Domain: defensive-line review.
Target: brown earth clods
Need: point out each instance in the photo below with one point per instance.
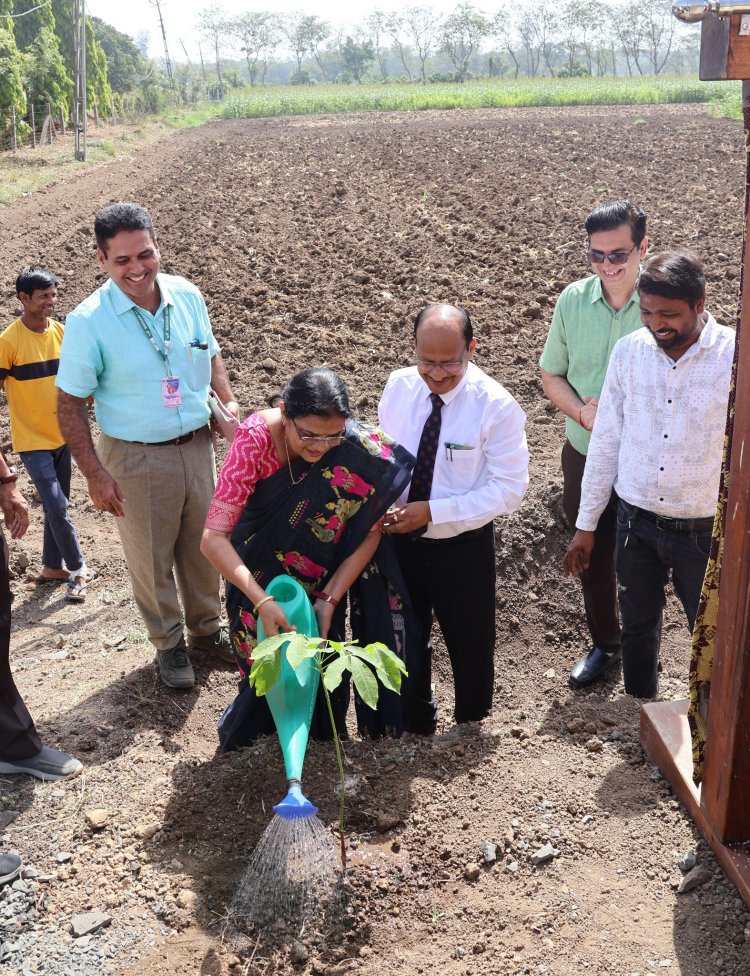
(316, 241)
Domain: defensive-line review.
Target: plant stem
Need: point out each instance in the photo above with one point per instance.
(341, 775)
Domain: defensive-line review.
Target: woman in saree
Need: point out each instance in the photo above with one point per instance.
(301, 492)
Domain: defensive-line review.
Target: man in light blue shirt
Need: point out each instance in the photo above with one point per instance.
(142, 346)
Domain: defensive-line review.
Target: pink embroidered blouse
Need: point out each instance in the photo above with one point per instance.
(252, 457)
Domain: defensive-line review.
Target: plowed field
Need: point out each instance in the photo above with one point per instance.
(316, 240)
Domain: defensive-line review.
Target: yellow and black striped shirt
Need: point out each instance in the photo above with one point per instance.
(28, 366)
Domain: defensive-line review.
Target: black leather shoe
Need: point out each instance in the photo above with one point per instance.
(592, 667)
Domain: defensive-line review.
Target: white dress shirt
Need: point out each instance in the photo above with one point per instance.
(659, 429)
(482, 463)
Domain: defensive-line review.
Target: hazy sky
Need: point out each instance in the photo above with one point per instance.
(133, 16)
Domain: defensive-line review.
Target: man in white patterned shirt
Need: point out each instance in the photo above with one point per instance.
(658, 442)
(467, 434)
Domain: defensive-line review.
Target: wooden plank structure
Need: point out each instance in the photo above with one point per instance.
(720, 807)
(725, 52)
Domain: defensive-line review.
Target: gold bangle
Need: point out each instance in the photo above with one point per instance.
(260, 603)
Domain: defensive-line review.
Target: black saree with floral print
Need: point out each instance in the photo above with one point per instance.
(306, 530)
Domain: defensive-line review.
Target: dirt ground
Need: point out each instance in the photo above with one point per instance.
(316, 241)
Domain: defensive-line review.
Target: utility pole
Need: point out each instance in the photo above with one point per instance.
(79, 78)
(156, 3)
(203, 67)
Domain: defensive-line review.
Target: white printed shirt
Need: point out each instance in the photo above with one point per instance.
(659, 429)
(482, 463)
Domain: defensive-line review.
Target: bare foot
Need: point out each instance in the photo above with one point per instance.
(53, 574)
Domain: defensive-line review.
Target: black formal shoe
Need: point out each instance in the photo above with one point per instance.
(592, 667)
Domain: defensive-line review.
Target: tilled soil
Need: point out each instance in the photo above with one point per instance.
(316, 240)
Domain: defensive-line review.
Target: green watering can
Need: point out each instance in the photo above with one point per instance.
(292, 698)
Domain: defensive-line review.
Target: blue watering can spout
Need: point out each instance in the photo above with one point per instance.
(292, 698)
(295, 805)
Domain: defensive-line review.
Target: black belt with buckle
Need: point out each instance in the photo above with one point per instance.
(677, 525)
(176, 441)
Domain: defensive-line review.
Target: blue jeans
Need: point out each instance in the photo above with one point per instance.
(50, 471)
(646, 551)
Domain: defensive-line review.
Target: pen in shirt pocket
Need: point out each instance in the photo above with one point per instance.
(450, 447)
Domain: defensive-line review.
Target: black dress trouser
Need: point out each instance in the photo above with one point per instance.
(18, 737)
(598, 582)
(455, 579)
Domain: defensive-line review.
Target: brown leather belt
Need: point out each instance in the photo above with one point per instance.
(176, 441)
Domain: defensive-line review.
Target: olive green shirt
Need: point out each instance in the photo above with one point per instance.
(583, 333)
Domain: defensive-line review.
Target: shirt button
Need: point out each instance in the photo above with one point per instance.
(666, 435)
(669, 401)
(661, 469)
(661, 499)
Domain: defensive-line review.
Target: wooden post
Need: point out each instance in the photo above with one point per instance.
(33, 127)
(49, 121)
(13, 134)
(96, 115)
(721, 808)
(112, 109)
(726, 783)
(62, 121)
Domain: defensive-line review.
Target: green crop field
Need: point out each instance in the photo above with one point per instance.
(287, 100)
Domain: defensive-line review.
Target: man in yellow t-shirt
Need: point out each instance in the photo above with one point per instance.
(29, 357)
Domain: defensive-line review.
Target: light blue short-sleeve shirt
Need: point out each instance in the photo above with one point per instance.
(106, 353)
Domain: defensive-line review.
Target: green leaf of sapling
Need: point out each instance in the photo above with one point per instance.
(333, 674)
(270, 645)
(364, 682)
(264, 673)
(298, 651)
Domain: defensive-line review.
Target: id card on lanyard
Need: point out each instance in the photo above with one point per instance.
(171, 392)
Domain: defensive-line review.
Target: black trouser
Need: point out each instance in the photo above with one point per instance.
(18, 737)
(598, 582)
(647, 548)
(455, 579)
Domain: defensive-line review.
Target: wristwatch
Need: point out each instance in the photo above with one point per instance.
(10, 477)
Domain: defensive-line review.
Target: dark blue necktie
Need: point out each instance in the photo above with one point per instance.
(421, 479)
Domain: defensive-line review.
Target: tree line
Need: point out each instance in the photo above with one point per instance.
(529, 38)
(416, 43)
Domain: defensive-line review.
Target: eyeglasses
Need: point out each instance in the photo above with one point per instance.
(452, 368)
(317, 438)
(614, 257)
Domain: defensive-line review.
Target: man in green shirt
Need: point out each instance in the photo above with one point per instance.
(589, 318)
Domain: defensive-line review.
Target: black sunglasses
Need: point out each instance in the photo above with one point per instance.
(614, 257)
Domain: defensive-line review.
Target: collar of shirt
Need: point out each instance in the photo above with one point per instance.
(597, 294)
(121, 303)
(707, 338)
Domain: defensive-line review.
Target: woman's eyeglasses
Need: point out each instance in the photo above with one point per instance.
(614, 257)
(318, 438)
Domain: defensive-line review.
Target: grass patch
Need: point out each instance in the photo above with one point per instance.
(28, 170)
(529, 92)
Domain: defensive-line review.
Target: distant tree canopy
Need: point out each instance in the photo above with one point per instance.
(126, 66)
(414, 43)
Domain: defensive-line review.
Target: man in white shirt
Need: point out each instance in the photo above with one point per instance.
(658, 442)
(467, 434)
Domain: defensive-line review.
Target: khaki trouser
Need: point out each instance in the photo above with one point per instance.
(167, 490)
